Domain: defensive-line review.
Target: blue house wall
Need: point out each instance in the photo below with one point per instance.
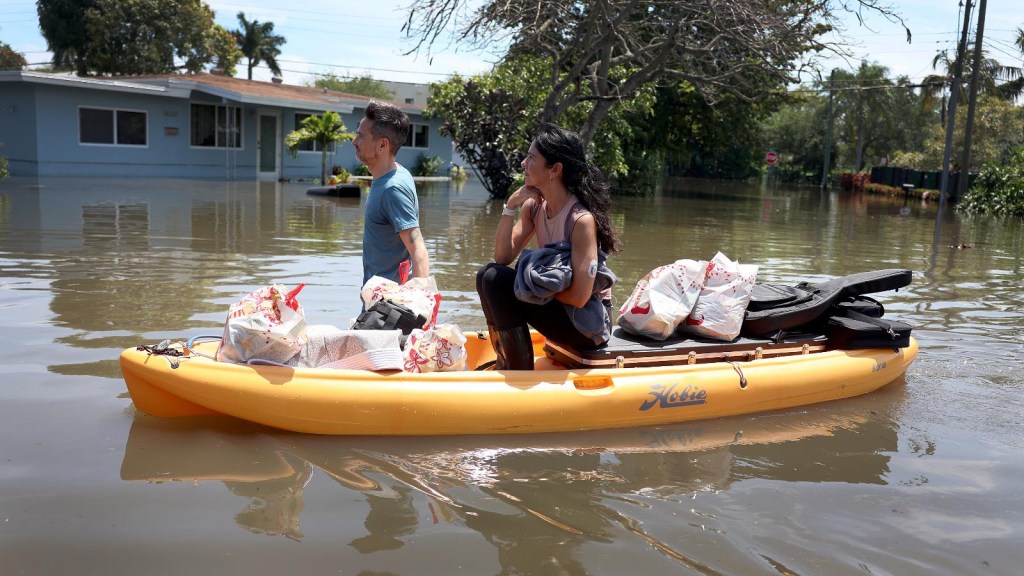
(307, 163)
(61, 154)
(39, 127)
(18, 127)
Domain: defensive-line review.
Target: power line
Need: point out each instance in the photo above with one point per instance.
(359, 67)
(1003, 47)
(810, 90)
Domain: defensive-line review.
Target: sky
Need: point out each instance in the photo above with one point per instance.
(344, 38)
(934, 26)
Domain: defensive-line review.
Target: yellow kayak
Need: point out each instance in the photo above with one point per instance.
(550, 398)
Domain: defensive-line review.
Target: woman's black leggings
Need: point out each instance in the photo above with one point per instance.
(496, 285)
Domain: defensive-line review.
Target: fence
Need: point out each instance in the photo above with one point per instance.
(897, 177)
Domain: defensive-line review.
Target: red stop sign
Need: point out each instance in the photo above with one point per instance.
(771, 157)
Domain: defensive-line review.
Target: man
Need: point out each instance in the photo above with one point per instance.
(391, 230)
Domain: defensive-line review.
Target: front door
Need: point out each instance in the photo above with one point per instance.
(268, 147)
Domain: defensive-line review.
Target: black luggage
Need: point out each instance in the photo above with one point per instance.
(857, 331)
(774, 308)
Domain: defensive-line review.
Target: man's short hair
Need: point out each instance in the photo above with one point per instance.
(389, 122)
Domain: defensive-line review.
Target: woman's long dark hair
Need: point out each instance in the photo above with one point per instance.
(556, 144)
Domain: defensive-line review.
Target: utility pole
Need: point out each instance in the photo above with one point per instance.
(965, 162)
(828, 133)
(954, 96)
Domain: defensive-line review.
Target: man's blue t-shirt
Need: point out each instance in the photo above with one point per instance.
(391, 207)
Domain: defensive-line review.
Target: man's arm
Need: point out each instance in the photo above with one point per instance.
(413, 240)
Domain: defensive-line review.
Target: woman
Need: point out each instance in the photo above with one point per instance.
(564, 199)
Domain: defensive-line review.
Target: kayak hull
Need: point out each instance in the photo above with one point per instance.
(548, 399)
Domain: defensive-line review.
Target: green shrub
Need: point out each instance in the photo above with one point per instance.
(999, 189)
(876, 188)
(340, 175)
(427, 165)
(458, 173)
(361, 170)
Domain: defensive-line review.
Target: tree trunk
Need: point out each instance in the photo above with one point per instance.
(597, 114)
(965, 162)
(860, 140)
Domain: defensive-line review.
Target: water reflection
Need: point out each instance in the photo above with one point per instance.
(274, 504)
(536, 500)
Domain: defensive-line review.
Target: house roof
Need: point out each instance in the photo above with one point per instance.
(235, 89)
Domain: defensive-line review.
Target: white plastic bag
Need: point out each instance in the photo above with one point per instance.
(663, 299)
(418, 294)
(440, 349)
(331, 347)
(266, 324)
(719, 310)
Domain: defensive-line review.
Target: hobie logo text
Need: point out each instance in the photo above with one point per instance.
(669, 397)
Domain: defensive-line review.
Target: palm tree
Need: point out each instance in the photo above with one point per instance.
(933, 86)
(1014, 86)
(258, 43)
(324, 130)
(989, 75)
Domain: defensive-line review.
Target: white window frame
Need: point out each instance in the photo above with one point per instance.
(411, 142)
(115, 111)
(217, 133)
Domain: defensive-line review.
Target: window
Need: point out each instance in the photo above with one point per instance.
(418, 134)
(111, 127)
(309, 145)
(216, 126)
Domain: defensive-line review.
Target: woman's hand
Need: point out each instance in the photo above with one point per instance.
(510, 238)
(520, 196)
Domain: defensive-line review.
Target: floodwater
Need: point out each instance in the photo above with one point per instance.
(921, 477)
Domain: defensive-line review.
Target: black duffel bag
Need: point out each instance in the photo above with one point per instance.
(858, 331)
(386, 315)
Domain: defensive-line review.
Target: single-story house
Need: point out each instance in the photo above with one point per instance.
(191, 126)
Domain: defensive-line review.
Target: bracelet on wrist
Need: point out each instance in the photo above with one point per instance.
(506, 211)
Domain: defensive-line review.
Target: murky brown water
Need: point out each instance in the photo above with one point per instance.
(922, 477)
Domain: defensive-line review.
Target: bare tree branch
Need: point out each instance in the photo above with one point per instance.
(604, 51)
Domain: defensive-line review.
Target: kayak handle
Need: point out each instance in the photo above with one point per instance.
(188, 344)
